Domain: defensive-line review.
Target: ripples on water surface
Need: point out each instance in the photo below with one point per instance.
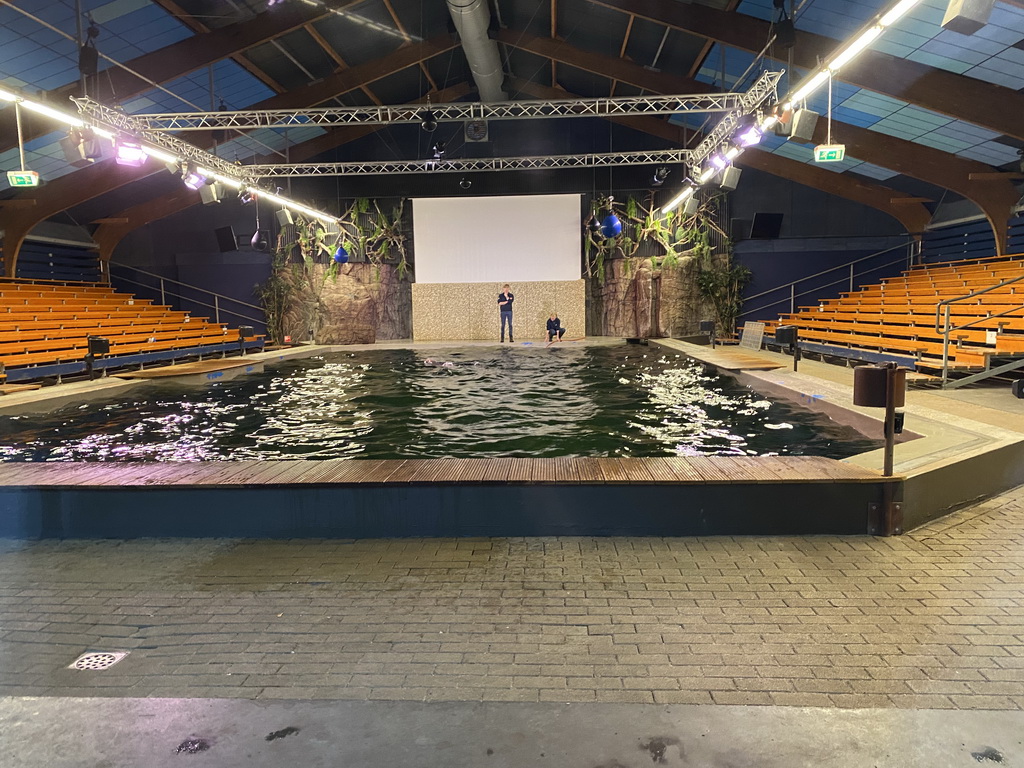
(386, 404)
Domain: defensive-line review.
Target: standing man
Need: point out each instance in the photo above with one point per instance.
(505, 299)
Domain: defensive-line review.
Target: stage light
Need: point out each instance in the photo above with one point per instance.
(718, 161)
(810, 86)
(260, 241)
(707, 175)
(245, 197)
(191, 177)
(686, 192)
(53, 114)
(129, 153)
(428, 122)
(438, 149)
(659, 177)
(897, 12)
(465, 183)
(750, 135)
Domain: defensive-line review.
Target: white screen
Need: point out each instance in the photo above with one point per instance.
(497, 239)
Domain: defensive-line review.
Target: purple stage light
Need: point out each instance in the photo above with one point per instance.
(129, 153)
(719, 160)
(748, 137)
(193, 179)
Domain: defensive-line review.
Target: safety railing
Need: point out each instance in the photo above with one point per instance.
(850, 276)
(166, 286)
(943, 318)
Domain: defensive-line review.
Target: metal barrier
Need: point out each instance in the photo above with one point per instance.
(167, 286)
(912, 247)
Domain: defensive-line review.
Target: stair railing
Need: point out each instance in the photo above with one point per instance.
(169, 287)
(912, 247)
(943, 319)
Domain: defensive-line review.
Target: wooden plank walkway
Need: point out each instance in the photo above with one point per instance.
(189, 369)
(501, 471)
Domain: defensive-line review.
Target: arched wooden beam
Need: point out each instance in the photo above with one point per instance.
(116, 84)
(965, 98)
(108, 235)
(17, 221)
(67, 191)
(995, 197)
(912, 215)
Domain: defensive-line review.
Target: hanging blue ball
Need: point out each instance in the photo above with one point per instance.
(340, 255)
(611, 226)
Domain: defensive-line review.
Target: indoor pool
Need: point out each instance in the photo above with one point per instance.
(524, 401)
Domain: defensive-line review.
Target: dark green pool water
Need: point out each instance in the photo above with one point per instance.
(386, 404)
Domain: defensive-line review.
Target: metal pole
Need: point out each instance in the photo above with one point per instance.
(890, 418)
(792, 298)
(945, 348)
(163, 297)
(851, 278)
(216, 308)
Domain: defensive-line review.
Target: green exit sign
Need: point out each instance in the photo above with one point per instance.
(23, 178)
(829, 153)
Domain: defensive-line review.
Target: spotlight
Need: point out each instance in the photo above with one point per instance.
(428, 122)
(659, 177)
(191, 177)
(749, 133)
(718, 161)
(438, 149)
(245, 197)
(593, 225)
(129, 153)
(465, 183)
(260, 241)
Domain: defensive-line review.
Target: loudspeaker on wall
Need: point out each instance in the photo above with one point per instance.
(803, 125)
(226, 240)
(284, 217)
(967, 16)
(730, 178)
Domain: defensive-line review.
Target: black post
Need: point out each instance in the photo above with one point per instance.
(890, 417)
(89, 357)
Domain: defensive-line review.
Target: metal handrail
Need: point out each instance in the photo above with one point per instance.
(943, 326)
(793, 295)
(217, 297)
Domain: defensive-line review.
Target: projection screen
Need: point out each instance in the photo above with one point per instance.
(497, 239)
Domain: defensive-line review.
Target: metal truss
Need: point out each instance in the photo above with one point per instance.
(117, 121)
(759, 92)
(469, 165)
(327, 117)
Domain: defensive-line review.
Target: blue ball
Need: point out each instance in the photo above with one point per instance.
(611, 226)
(340, 255)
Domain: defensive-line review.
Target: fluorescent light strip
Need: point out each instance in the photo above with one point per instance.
(809, 87)
(897, 12)
(674, 203)
(53, 114)
(866, 38)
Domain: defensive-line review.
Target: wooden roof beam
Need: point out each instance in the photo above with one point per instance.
(913, 216)
(942, 91)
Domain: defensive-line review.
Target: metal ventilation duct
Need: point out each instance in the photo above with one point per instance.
(472, 18)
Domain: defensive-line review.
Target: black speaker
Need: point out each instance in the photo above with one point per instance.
(226, 240)
(98, 346)
(869, 385)
(766, 226)
(245, 332)
(785, 335)
(1017, 388)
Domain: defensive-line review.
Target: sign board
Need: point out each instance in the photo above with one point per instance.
(829, 153)
(23, 178)
(753, 334)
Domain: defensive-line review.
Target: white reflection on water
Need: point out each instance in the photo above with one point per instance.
(522, 401)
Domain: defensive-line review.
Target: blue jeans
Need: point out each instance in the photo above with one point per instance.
(506, 317)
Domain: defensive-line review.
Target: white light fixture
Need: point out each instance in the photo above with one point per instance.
(897, 12)
(675, 201)
(53, 114)
(809, 86)
(866, 38)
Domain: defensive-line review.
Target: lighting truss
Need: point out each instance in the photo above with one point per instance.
(327, 117)
(759, 93)
(117, 121)
(469, 165)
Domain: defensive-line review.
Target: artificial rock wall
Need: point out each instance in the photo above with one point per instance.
(637, 301)
(362, 304)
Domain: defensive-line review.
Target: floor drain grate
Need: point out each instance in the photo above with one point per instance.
(98, 661)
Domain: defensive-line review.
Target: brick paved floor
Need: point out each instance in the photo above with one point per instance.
(933, 619)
